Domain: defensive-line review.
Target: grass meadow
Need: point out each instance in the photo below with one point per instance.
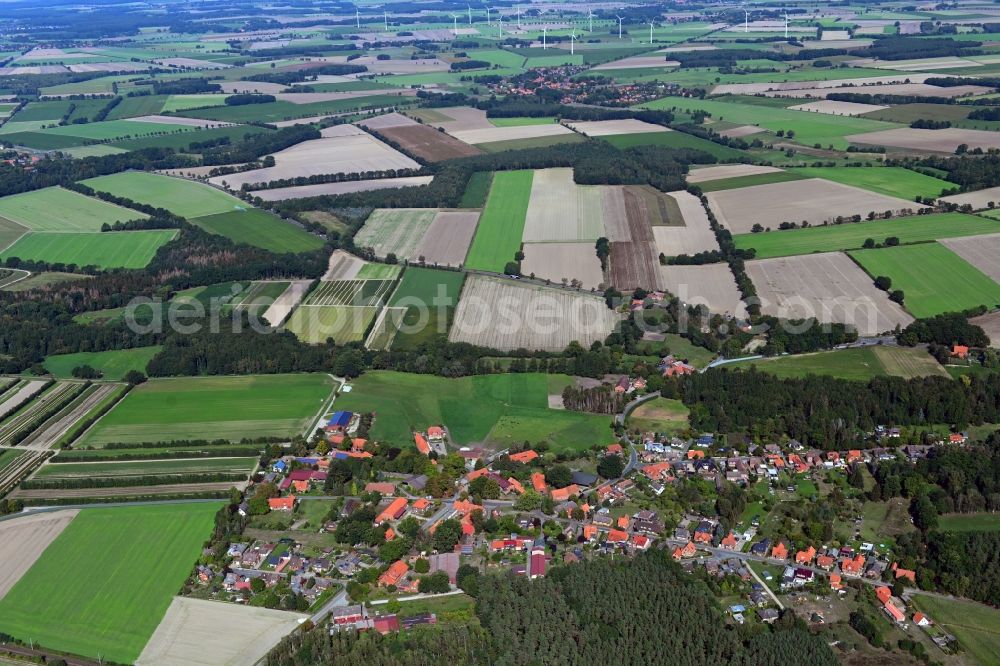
(181, 197)
(497, 410)
(498, 236)
(122, 249)
(424, 285)
(974, 625)
(58, 209)
(260, 229)
(890, 181)
(852, 236)
(859, 364)
(165, 410)
(112, 364)
(101, 588)
(933, 278)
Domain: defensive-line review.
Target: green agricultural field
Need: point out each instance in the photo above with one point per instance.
(184, 102)
(165, 410)
(316, 323)
(260, 229)
(112, 364)
(122, 249)
(8, 456)
(101, 588)
(974, 625)
(183, 141)
(278, 111)
(58, 209)
(969, 522)
(525, 144)
(439, 290)
(749, 181)
(933, 278)
(675, 139)
(859, 364)
(659, 415)
(261, 296)
(521, 121)
(113, 129)
(371, 271)
(110, 468)
(498, 236)
(852, 236)
(477, 190)
(890, 181)
(809, 128)
(144, 105)
(495, 409)
(181, 197)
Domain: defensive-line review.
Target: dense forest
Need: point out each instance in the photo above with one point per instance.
(645, 610)
(831, 413)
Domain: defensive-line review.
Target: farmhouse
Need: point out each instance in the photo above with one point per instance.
(281, 503)
(394, 511)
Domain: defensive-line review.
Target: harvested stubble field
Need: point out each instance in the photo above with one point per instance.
(614, 127)
(350, 292)
(501, 226)
(343, 149)
(58, 209)
(505, 315)
(935, 141)
(347, 187)
(983, 252)
(933, 278)
(711, 284)
(227, 407)
(561, 210)
(558, 261)
(397, 231)
(827, 286)
(636, 262)
(812, 200)
(284, 303)
(838, 108)
(211, 633)
(342, 266)
(852, 236)
(428, 143)
(316, 323)
(119, 249)
(979, 200)
(695, 236)
(726, 171)
(447, 241)
(514, 133)
(135, 559)
(990, 323)
(24, 539)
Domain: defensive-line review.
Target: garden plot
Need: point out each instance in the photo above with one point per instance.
(838, 108)
(695, 236)
(936, 141)
(446, 242)
(990, 323)
(505, 315)
(979, 200)
(983, 252)
(562, 211)
(812, 200)
(827, 286)
(343, 149)
(615, 127)
(24, 539)
(200, 632)
(283, 305)
(348, 187)
(724, 171)
(350, 292)
(397, 231)
(712, 285)
(563, 261)
(509, 133)
(342, 266)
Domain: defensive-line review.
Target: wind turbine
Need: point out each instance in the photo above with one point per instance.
(487, 14)
(470, 14)
(544, 31)
(620, 19)
(746, 21)
(454, 23)
(786, 25)
(590, 15)
(572, 41)
(650, 32)
(385, 17)
(519, 17)
(357, 17)
(500, 25)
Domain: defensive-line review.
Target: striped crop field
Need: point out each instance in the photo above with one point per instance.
(350, 292)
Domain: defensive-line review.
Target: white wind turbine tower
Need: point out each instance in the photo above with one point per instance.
(590, 15)
(620, 19)
(544, 31)
(357, 17)
(519, 17)
(786, 25)
(385, 17)
(746, 20)
(487, 14)
(500, 25)
(470, 14)
(454, 24)
(650, 32)
(572, 41)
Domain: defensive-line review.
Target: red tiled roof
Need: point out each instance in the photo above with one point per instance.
(779, 552)
(281, 503)
(538, 482)
(393, 511)
(395, 571)
(421, 443)
(617, 536)
(563, 494)
(524, 457)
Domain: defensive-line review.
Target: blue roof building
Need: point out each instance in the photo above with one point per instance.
(341, 419)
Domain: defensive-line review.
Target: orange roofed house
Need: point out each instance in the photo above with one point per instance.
(524, 457)
(538, 482)
(394, 573)
(421, 443)
(281, 503)
(805, 556)
(392, 512)
(779, 552)
(563, 494)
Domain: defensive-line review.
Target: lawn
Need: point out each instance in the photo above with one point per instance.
(676, 139)
(181, 197)
(123, 249)
(165, 410)
(852, 236)
(969, 522)
(809, 128)
(498, 236)
(890, 181)
(933, 278)
(112, 364)
(860, 364)
(102, 587)
(493, 409)
(974, 625)
(57, 209)
(806, 488)
(260, 229)
(663, 415)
